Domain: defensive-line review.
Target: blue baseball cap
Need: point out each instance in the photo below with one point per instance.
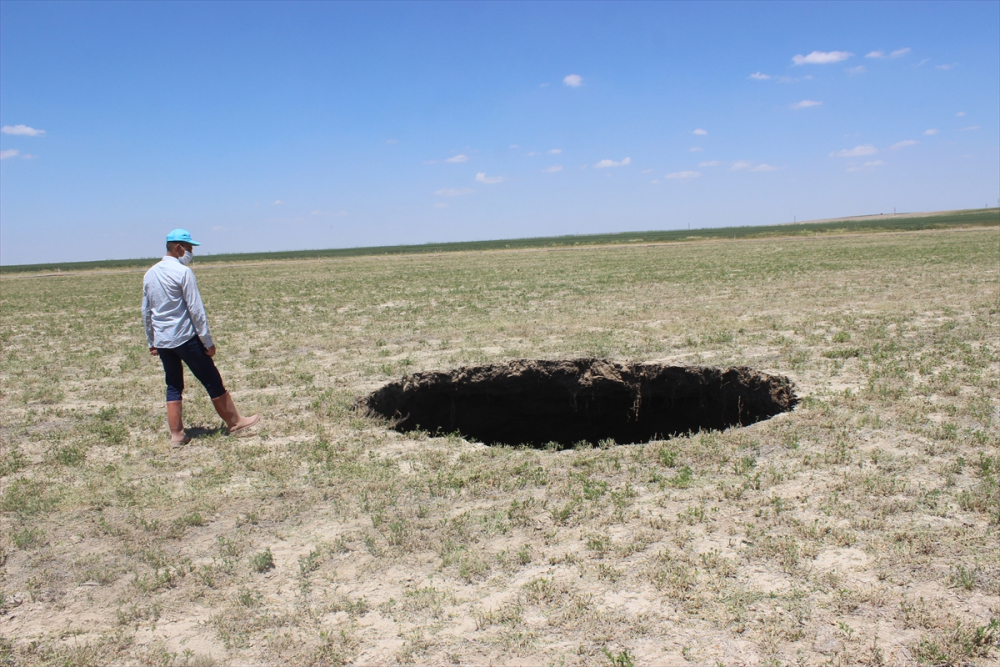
(181, 235)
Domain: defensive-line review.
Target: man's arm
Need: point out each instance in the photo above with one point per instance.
(147, 317)
(192, 297)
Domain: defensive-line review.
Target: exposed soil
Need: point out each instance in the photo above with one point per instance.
(569, 401)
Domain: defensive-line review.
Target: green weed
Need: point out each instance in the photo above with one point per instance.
(262, 561)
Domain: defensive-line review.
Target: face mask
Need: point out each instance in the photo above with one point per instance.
(186, 259)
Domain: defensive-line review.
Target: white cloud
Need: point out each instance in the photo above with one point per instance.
(278, 202)
(453, 192)
(903, 144)
(696, 149)
(931, 131)
(923, 62)
(683, 174)
(335, 214)
(760, 76)
(481, 177)
(612, 163)
(440, 204)
(867, 166)
(805, 104)
(22, 130)
(945, 66)
(514, 146)
(822, 58)
(555, 151)
(392, 141)
(458, 158)
(13, 152)
(531, 153)
(740, 165)
(960, 114)
(646, 171)
(860, 69)
(554, 168)
(971, 127)
(29, 156)
(700, 132)
(898, 53)
(857, 151)
(573, 80)
(218, 228)
(709, 163)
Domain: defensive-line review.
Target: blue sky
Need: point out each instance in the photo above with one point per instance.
(279, 126)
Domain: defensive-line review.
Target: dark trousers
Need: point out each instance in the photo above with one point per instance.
(194, 355)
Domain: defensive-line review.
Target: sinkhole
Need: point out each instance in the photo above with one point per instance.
(534, 402)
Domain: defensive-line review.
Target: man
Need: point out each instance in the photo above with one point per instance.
(177, 330)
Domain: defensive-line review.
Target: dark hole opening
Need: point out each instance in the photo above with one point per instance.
(566, 402)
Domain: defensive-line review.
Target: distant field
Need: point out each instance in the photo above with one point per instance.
(863, 527)
(880, 223)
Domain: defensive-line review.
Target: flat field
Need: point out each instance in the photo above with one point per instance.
(863, 527)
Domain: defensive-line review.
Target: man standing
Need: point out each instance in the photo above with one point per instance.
(177, 330)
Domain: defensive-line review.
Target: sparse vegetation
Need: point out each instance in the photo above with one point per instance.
(861, 528)
(263, 561)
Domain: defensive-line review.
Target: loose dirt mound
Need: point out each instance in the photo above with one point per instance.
(569, 401)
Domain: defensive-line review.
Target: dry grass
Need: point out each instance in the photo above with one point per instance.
(861, 528)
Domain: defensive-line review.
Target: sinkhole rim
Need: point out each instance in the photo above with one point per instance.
(538, 402)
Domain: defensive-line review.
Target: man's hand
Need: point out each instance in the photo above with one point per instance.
(210, 351)
(153, 352)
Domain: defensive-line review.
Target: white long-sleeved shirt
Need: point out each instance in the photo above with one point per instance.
(171, 305)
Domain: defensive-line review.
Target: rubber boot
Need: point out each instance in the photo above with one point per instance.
(175, 421)
(227, 410)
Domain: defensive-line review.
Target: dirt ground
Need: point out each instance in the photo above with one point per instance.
(859, 528)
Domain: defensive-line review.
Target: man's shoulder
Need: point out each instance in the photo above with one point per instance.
(165, 267)
(151, 271)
